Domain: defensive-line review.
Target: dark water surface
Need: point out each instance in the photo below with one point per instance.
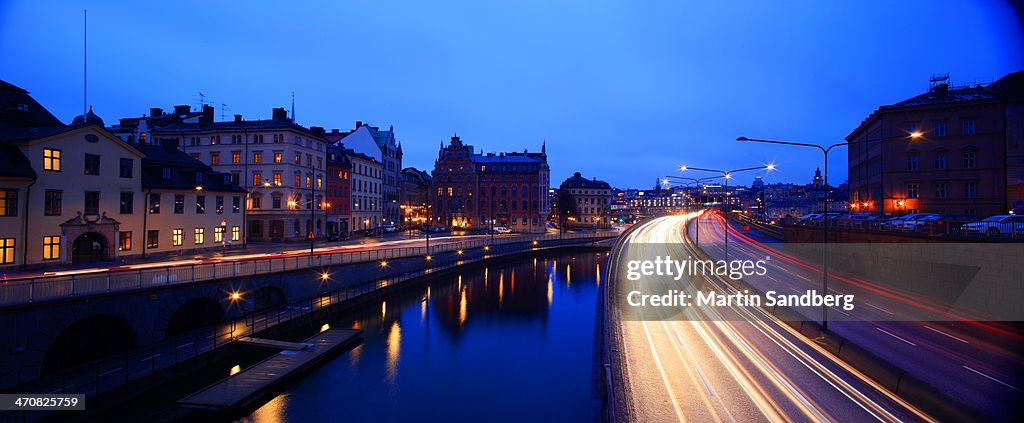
(508, 342)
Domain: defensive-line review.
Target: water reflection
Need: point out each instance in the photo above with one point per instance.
(527, 336)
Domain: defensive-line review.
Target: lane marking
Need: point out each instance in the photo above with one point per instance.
(993, 379)
(944, 333)
(897, 337)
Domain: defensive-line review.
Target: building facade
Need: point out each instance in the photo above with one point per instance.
(510, 189)
(339, 192)
(414, 196)
(366, 191)
(280, 164)
(384, 147)
(593, 201)
(968, 158)
(76, 193)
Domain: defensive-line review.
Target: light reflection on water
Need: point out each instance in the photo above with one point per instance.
(467, 349)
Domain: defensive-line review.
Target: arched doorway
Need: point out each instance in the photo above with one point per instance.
(86, 340)
(88, 247)
(195, 314)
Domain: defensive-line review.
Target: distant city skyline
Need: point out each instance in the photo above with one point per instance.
(621, 93)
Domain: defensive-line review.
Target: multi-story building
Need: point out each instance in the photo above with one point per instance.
(382, 146)
(968, 157)
(281, 165)
(367, 187)
(511, 189)
(339, 195)
(414, 194)
(76, 193)
(593, 198)
(139, 129)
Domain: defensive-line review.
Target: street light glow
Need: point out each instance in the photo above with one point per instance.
(770, 166)
(683, 167)
(325, 276)
(916, 134)
(235, 296)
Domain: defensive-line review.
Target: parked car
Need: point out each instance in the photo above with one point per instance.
(390, 228)
(919, 222)
(502, 230)
(897, 223)
(996, 225)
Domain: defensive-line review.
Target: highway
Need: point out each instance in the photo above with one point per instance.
(695, 365)
(979, 363)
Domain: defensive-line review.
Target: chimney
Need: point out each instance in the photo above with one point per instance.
(238, 117)
(279, 113)
(941, 90)
(156, 111)
(181, 109)
(207, 116)
(359, 124)
(334, 131)
(317, 130)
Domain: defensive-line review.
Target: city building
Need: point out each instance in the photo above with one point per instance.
(593, 198)
(76, 193)
(139, 129)
(382, 146)
(280, 164)
(366, 182)
(511, 188)
(339, 192)
(968, 157)
(415, 194)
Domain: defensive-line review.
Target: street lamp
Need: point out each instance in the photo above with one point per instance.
(913, 136)
(691, 181)
(727, 175)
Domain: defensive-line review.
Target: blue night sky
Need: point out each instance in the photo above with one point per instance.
(625, 91)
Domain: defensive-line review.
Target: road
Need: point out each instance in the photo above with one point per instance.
(690, 364)
(979, 363)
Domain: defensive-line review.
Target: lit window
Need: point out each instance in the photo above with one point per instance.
(51, 247)
(51, 159)
(6, 250)
(124, 241)
(9, 202)
(200, 236)
(278, 157)
(236, 233)
(218, 234)
(177, 237)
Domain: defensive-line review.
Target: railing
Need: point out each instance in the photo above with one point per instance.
(767, 228)
(106, 374)
(970, 230)
(15, 291)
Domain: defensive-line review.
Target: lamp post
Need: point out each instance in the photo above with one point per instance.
(727, 174)
(429, 222)
(691, 181)
(913, 136)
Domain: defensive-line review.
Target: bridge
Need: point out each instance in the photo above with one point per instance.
(90, 331)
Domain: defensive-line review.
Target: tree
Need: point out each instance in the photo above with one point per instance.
(565, 206)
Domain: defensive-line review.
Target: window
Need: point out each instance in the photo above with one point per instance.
(218, 234)
(92, 202)
(154, 203)
(278, 157)
(214, 139)
(200, 236)
(127, 168)
(219, 204)
(166, 173)
(124, 241)
(152, 239)
(911, 127)
(257, 202)
(298, 180)
(309, 181)
(969, 127)
(940, 161)
(236, 233)
(236, 157)
(298, 158)
(9, 202)
(970, 160)
(257, 157)
(214, 158)
(6, 250)
(177, 237)
(257, 178)
(51, 247)
(319, 182)
(912, 162)
(911, 190)
(277, 178)
(92, 164)
(970, 190)
(200, 204)
(127, 203)
(51, 159)
(179, 203)
(275, 202)
(940, 190)
(319, 163)
(939, 129)
(236, 204)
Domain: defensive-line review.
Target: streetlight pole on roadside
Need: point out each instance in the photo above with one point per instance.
(913, 136)
(727, 174)
(696, 181)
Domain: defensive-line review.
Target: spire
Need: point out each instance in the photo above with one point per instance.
(544, 147)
